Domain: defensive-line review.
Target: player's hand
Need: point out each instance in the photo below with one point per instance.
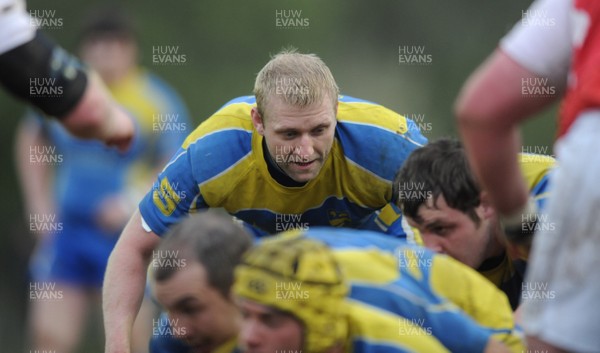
(119, 130)
(98, 116)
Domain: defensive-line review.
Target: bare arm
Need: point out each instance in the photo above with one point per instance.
(98, 116)
(34, 175)
(124, 284)
(488, 109)
(85, 107)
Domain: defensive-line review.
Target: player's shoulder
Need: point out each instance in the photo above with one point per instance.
(220, 142)
(376, 119)
(375, 138)
(356, 111)
(229, 125)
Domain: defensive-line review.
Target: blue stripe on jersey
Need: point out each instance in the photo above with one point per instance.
(375, 156)
(414, 132)
(210, 163)
(334, 211)
(407, 296)
(540, 189)
(252, 100)
(408, 302)
(355, 239)
(364, 346)
(348, 99)
(242, 99)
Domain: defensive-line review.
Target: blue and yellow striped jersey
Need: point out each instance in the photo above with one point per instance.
(221, 164)
(405, 298)
(375, 331)
(370, 331)
(429, 294)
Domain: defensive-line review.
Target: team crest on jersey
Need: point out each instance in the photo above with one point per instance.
(339, 218)
(257, 286)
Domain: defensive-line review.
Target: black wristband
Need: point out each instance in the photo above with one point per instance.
(44, 74)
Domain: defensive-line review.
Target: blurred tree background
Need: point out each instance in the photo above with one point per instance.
(227, 42)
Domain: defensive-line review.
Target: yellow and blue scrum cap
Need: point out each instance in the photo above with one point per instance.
(300, 276)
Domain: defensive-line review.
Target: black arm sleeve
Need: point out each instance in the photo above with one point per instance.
(43, 74)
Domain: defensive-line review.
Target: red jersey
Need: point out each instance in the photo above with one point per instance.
(583, 91)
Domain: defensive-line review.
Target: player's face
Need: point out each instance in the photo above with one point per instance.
(199, 313)
(112, 58)
(450, 231)
(265, 330)
(299, 139)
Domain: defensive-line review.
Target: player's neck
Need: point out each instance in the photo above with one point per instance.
(276, 172)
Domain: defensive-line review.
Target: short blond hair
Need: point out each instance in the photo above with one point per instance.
(298, 79)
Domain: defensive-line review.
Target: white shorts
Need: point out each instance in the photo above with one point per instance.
(562, 290)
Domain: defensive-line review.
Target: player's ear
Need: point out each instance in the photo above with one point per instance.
(488, 209)
(257, 121)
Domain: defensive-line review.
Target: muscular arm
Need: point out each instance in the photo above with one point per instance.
(495, 99)
(124, 284)
(488, 110)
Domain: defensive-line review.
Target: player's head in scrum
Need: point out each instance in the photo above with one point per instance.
(288, 293)
(291, 293)
(193, 276)
(192, 273)
(440, 196)
(296, 107)
(294, 295)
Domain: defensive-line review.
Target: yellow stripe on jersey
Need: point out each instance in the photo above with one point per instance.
(377, 328)
(233, 116)
(376, 115)
(480, 299)
(360, 265)
(534, 167)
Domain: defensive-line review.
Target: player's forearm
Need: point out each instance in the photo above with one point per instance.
(124, 285)
(122, 295)
(493, 155)
(34, 177)
(489, 109)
